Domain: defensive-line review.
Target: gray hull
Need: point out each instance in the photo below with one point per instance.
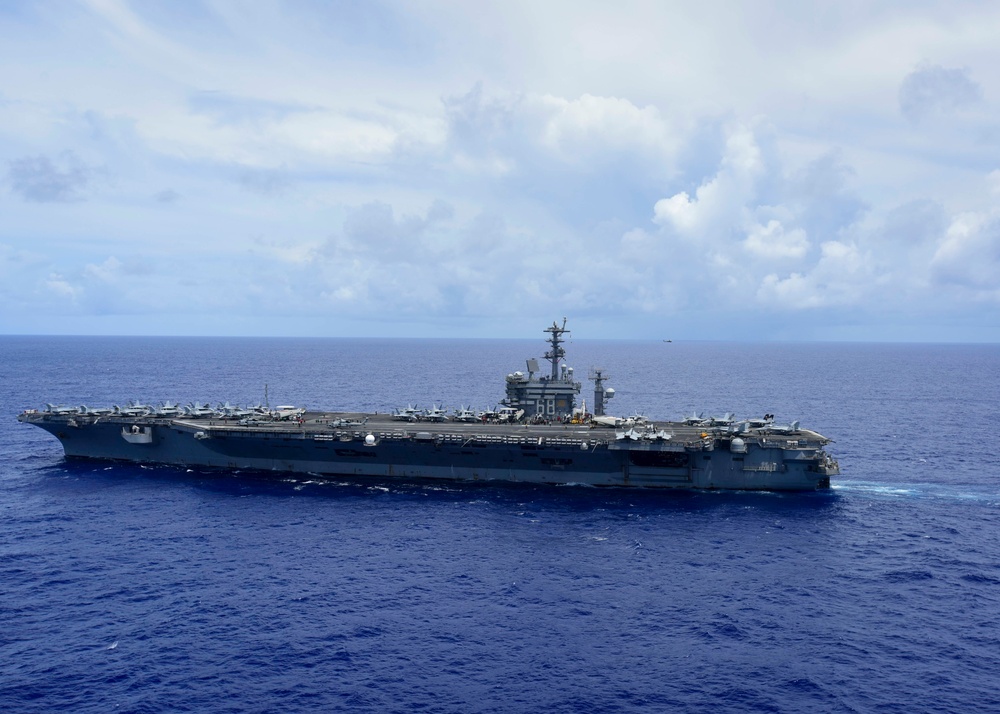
(690, 458)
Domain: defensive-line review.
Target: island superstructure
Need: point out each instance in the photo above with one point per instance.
(538, 434)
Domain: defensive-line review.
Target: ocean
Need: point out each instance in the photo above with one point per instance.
(137, 589)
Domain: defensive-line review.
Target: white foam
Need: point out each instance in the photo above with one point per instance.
(874, 488)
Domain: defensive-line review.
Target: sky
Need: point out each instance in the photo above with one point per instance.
(650, 170)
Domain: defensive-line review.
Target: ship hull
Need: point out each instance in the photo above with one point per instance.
(384, 450)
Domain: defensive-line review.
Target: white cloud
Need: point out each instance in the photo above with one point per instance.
(720, 203)
(839, 278)
(60, 287)
(680, 211)
(793, 291)
(575, 127)
(105, 272)
(444, 160)
(772, 241)
(317, 139)
(993, 182)
(969, 256)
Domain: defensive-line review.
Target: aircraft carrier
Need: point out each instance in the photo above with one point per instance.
(536, 435)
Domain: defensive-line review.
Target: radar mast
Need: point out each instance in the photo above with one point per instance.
(541, 397)
(557, 352)
(600, 393)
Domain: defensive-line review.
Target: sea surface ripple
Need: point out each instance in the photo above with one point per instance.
(155, 589)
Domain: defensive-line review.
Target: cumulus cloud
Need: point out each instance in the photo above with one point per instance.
(44, 180)
(720, 203)
(969, 256)
(773, 241)
(108, 286)
(754, 233)
(613, 173)
(993, 182)
(841, 277)
(575, 128)
(934, 88)
(409, 263)
(106, 272)
(60, 287)
(441, 262)
(504, 133)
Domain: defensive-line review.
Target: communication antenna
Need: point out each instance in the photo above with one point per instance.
(557, 352)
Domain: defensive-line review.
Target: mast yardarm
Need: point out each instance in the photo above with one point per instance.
(557, 352)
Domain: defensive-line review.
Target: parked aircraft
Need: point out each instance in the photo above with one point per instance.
(435, 413)
(411, 413)
(465, 414)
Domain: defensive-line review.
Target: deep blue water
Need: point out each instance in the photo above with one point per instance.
(156, 589)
